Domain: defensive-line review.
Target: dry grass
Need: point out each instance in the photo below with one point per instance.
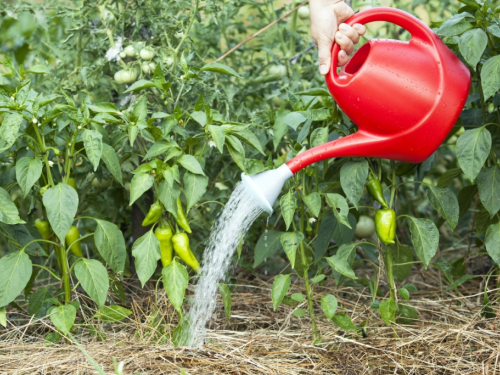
(448, 339)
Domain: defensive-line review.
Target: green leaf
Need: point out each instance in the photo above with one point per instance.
(9, 129)
(92, 140)
(465, 197)
(175, 281)
(404, 293)
(313, 202)
(218, 135)
(456, 29)
(294, 119)
(473, 147)
(388, 310)
(168, 195)
(93, 278)
(314, 92)
(141, 182)
(290, 242)
(159, 148)
(226, 299)
(63, 317)
(3, 317)
(448, 176)
(246, 136)
(140, 85)
(288, 205)
(219, 68)
(38, 304)
(111, 244)
(329, 305)
(281, 284)
(195, 186)
(402, 257)
(490, 76)
(61, 203)
(112, 163)
(341, 265)
(317, 279)
(103, 108)
(492, 242)
(190, 163)
(353, 175)
(140, 109)
(268, 244)
(28, 171)
(488, 183)
(319, 136)
(280, 128)
(338, 202)
(15, 272)
(146, 251)
(445, 202)
(344, 322)
(425, 239)
(113, 313)
(299, 313)
(472, 44)
(299, 297)
(200, 117)
(8, 210)
(39, 69)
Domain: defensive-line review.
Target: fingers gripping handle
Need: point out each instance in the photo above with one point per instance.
(413, 25)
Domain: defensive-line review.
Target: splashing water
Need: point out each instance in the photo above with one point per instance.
(232, 224)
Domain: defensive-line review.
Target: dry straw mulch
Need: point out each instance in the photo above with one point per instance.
(449, 338)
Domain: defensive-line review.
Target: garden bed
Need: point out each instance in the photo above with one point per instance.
(448, 338)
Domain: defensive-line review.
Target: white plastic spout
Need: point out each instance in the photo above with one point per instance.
(267, 185)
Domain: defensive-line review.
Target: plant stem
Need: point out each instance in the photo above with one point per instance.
(44, 153)
(315, 330)
(186, 34)
(292, 31)
(390, 275)
(64, 273)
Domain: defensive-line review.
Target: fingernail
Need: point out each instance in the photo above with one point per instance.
(323, 69)
(343, 27)
(343, 54)
(357, 28)
(340, 36)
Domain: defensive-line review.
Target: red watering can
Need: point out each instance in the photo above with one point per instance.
(404, 97)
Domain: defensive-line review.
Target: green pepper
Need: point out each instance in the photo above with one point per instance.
(181, 217)
(181, 247)
(43, 227)
(154, 214)
(385, 225)
(164, 234)
(375, 188)
(72, 236)
(72, 182)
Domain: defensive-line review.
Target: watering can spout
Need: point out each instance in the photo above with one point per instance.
(266, 186)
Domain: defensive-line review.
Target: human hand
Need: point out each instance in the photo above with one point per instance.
(327, 27)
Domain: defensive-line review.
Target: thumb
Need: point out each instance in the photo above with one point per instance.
(324, 54)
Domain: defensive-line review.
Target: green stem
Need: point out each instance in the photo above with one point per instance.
(390, 275)
(186, 34)
(48, 270)
(481, 95)
(393, 185)
(64, 274)
(69, 158)
(44, 153)
(315, 331)
(292, 29)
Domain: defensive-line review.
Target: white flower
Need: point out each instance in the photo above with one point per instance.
(69, 144)
(80, 127)
(12, 98)
(312, 220)
(114, 52)
(211, 144)
(34, 121)
(51, 163)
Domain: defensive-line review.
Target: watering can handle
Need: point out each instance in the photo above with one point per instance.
(418, 30)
